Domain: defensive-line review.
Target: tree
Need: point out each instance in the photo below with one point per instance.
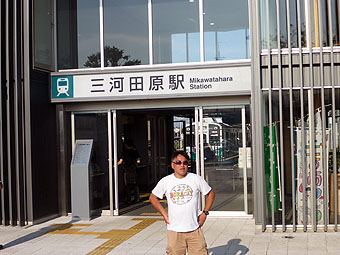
(112, 57)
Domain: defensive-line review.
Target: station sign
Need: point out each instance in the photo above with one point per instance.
(151, 84)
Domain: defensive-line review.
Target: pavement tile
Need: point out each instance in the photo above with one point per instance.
(131, 235)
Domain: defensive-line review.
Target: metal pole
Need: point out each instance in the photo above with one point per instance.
(9, 16)
(2, 219)
(324, 120)
(115, 157)
(257, 116)
(201, 20)
(27, 102)
(291, 116)
(282, 186)
(269, 78)
(244, 146)
(150, 32)
(201, 119)
(303, 153)
(334, 130)
(311, 126)
(101, 35)
(109, 142)
(73, 133)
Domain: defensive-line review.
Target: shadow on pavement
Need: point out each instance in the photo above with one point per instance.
(233, 247)
(37, 233)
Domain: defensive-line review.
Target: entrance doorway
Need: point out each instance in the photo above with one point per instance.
(155, 134)
(217, 141)
(95, 126)
(225, 139)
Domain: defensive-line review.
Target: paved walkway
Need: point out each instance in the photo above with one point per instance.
(147, 235)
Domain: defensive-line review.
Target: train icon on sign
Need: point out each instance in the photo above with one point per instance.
(62, 86)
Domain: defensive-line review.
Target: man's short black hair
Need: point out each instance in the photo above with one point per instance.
(129, 142)
(176, 153)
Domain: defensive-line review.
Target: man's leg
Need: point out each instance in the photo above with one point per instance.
(136, 192)
(196, 243)
(176, 243)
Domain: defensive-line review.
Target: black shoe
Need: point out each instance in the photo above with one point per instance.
(1, 246)
(136, 200)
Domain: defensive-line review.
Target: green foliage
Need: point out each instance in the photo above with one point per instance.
(112, 57)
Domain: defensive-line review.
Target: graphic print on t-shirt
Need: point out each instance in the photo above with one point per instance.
(181, 194)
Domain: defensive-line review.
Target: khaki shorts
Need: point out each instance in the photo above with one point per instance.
(179, 242)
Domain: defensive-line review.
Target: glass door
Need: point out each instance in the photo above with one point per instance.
(97, 126)
(225, 146)
(145, 140)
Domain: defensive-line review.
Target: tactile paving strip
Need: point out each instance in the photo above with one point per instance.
(115, 236)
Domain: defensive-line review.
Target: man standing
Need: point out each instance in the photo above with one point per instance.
(183, 222)
(1, 186)
(129, 160)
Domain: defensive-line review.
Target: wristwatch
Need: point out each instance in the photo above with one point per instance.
(206, 212)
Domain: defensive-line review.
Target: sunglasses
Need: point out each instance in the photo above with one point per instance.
(178, 162)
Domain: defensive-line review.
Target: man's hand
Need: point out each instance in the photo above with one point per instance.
(166, 218)
(155, 202)
(201, 219)
(208, 203)
(1, 185)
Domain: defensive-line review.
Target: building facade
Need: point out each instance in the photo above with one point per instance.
(247, 88)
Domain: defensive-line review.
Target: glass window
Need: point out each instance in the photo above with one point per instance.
(272, 24)
(293, 24)
(94, 126)
(175, 31)
(78, 34)
(224, 165)
(43, 34)
(175, 38)
(126, 39)
(88, 33)
(226, 30)
(335, 11)
(311, 15)
(273, 37)
(67, 34)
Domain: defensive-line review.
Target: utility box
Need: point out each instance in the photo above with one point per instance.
(80, 180)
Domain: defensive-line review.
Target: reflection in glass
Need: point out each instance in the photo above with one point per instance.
(335, 12)
(179, 45)
(226, 30)
(67, 45)
(175, 31)
(94, 126)
(223, 157)
(87, 31)
(184, 138)
(42, 33)
(311, 14)
(126, 32)
(272, 24)
(249, 161)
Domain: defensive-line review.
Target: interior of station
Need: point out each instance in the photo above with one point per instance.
(155, 134)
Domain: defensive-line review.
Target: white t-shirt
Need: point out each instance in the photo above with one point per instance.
(182, 195)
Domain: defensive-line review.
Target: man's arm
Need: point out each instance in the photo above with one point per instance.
(155, 202)
(208, 203)
(120, 162)
(1, 185)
